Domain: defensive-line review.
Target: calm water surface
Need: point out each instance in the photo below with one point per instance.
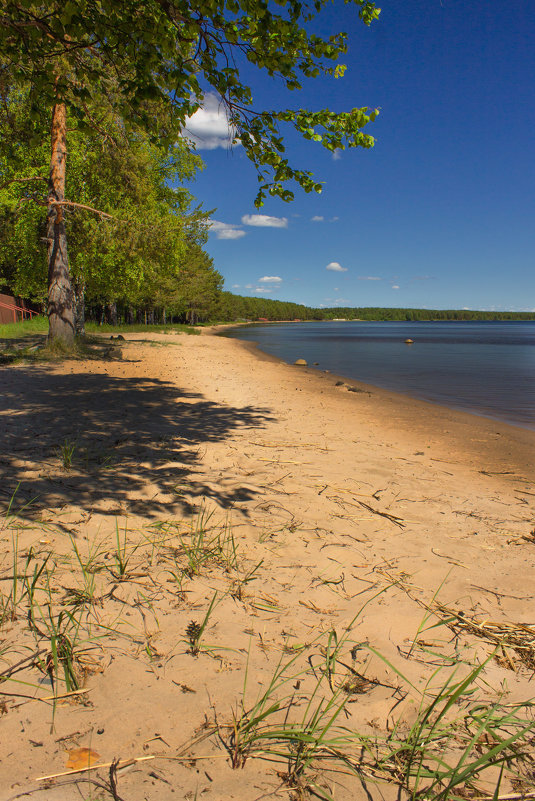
(486, 368)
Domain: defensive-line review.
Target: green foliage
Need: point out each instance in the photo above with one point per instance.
(124, 257)
(146, 236)
(174, 328)
(398, 315)
(24, 154)
(193, 291)
(240, 308)
(25, 328)
(166, 54)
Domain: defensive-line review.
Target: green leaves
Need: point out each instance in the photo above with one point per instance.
(109, 169)
(166, 53)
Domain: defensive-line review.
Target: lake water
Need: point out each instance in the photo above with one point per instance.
(486, 368)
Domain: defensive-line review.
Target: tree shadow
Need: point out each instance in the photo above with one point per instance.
(111, 444)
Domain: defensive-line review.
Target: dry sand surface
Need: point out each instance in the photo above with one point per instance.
(342, 538)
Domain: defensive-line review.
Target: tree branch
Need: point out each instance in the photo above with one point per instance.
(105, 214)
(22, 180)
(70, 203)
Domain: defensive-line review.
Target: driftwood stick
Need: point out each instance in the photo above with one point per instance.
(125, 764)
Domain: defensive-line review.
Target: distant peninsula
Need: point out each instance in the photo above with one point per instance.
(242, 308)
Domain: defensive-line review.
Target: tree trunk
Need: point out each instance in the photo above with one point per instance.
(79, 309)
(111, 313)
(60, 292)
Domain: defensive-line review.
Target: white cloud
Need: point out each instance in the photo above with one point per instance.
(235, 286)
(337, 154)
(226, 230)
(264, 221)
(270, 279)
(395, 286)
(334, 219)
(216, 225)
(369, 278)
(209, 128)
(248, 286)
(336, 268)
(262, 289)
(231, 233)
(317, 218)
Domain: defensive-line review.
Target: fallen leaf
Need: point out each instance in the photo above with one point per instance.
(81, 758)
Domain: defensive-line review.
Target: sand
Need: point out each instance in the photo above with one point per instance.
(321, 514)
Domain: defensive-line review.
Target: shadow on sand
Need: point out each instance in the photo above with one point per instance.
(136, 444)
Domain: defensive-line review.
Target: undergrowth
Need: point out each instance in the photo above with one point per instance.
(449, 736)
(168, 328)
(37, 325)
(26, 341)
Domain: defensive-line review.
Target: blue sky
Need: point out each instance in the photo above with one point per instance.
(440, 213)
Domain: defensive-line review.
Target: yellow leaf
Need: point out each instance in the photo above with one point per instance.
(82, 758)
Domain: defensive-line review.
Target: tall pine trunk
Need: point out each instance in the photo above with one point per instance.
(61, 302)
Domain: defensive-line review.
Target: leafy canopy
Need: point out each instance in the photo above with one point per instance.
(145, 53)
(144, 228)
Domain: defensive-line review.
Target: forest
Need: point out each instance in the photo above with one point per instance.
(231, 307)
(95, 216)
(94, 100)
(136, 234)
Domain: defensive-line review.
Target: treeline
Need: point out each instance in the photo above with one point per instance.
(230, 307)
(135, 233)
(136, 236)
(400, 315)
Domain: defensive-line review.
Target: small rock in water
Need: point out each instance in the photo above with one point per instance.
(409, 341)
(300, 362)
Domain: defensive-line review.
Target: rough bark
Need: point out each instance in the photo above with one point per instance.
(79, 310)
(111, 313)
(61, 301)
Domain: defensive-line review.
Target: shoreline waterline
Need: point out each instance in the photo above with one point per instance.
(480, 375)
(460, 436)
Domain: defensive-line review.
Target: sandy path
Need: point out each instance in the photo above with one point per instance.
(330, 494)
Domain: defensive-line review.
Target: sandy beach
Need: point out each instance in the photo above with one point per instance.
(192, 480)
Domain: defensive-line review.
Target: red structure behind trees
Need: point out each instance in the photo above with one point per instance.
(13, 310)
